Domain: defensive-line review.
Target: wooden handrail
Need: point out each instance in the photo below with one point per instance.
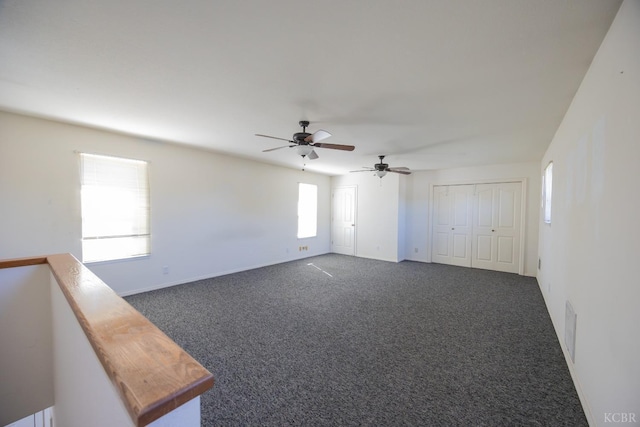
(22, 262)
(152, 374)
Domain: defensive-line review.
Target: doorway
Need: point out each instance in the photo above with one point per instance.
(343, 220)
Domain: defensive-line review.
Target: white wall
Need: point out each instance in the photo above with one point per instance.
(417, 201)
(590, 250)
(26, 352)
(392, 213)
(402, 217)
(378, 214)
(211, 214)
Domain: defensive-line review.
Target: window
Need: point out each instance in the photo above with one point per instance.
(307, 210)
(115, 208)
(547, 185)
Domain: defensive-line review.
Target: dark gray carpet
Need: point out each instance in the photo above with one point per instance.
(373, 343)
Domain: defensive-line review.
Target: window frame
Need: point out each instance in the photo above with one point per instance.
(547, 192)
(100, 181)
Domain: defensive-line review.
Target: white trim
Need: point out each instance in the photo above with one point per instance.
(523, 216)
(430, 223)
(213, 275)
(570, 364)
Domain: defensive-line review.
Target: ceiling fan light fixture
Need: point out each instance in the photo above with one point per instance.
(381, 173)
(304, 150)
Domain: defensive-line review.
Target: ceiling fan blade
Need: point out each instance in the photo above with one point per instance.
(335, 146)
(318, 136)
(273, 137)
(402, 170)
(312, 155)
(277, 148)
(365, 170)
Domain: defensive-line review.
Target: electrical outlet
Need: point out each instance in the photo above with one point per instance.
(415, 250)
(165, 269)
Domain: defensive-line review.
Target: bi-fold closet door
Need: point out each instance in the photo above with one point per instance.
(478, 225)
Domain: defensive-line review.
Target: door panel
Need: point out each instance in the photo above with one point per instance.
(484, 216)
(505, 249)
(442, 244)
(442, 207)
(506, 206)
(496, 227)
(460, 246)
(485, 207)
(343, 220)
(461, 203)
(483, 248)
(452, 225)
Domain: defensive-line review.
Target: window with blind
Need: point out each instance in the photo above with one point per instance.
(115, 208)
(547, 186)
(307, 210)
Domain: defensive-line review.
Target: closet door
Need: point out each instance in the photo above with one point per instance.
(496, 227)
(452, 208)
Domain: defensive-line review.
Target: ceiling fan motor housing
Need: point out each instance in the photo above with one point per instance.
(299, 137)
(381, 166)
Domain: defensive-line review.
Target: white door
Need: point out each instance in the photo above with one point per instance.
(496, 227)
(343, 220)
(452, 208)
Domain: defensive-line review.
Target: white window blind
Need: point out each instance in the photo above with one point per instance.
(307, 210)
(547, 190)
(115, 208)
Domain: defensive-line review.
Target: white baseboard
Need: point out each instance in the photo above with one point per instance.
(567, 357)
(212, 275)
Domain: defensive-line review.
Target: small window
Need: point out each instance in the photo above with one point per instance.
(547, 186)
(307, 210)
(115, 208)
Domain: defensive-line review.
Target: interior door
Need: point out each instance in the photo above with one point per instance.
(496, 227)
(343, 220)
(452, 208)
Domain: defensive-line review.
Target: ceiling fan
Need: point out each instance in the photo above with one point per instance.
(306, 142)
(381, 169)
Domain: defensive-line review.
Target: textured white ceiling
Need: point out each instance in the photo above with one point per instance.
(430, 83)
